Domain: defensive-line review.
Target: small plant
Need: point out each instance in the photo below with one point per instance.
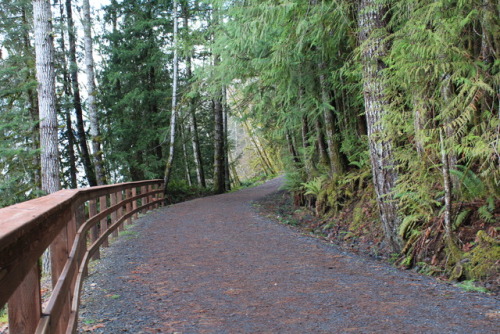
(3, 316)
(470, 286)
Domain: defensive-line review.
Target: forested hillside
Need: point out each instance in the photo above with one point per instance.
(383, 114)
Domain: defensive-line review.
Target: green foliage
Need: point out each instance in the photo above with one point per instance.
(3, 315)
(470, 286)
(314, 186)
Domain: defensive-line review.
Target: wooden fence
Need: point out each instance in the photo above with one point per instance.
(73, 224)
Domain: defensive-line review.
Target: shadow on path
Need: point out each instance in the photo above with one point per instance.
(213, 265)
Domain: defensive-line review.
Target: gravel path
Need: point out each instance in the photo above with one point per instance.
(213, 265)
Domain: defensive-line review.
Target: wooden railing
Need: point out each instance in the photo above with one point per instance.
(73, 224)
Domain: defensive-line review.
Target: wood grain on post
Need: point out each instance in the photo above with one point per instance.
(94, 231)
(25, 305)
(61, 246)
(103, 205)
(144, 200)
(119, 198)
(134, 203)
(129, 205)
(150, 197)
(113, 202)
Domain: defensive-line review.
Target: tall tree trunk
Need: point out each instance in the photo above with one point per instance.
(173, 115)
(185, 154)
(305, 145)
(195, 140)
(219, 159)
(91, 100)
(372, 31)
(82, 137)
(291, 147)
(33, 104)
(218, 112)
(322, 148)
(227, 174)
(44, 49)
(447, 186)
(67, 112)
(337, 163)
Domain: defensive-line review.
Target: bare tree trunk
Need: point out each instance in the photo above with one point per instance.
(173, 115)
(385, 175)
(91, 100)
(195, 140)
(45, 75)
(44, 49)
(82, 137)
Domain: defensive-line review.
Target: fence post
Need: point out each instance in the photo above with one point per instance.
(144, 199)
(103, 204)
(129, 204)
(120, 209)
(134, 203)
(25, 305)
(94, 231)
(112, 199)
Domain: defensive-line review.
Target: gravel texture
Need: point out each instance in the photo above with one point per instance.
(213, 265)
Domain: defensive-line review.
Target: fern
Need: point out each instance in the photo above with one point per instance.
(485, 214)
(461, 217)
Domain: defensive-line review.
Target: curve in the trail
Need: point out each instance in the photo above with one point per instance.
(213, 265)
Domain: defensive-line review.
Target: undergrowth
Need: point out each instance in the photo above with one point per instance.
(346, 213)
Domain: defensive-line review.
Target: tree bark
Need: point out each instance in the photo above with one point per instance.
(173, 115)
(337, 164)
(33, 103)
(187, 170)
(219, 159)
(91, 100)
(195, 140)
(44, 49)
(227, 174)
(82, 137)
(67, 113)
(372, 31)
(322, 148)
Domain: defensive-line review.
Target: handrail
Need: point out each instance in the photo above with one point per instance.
(74, 224)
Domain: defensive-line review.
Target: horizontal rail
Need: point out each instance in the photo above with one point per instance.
(74, 224)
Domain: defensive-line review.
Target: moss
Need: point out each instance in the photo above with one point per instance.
(482, 260)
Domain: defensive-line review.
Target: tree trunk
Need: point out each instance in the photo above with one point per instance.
(44, 49)
(322, 148)
(187, 170)
(291, 147)
(219, 159)
(33, 104)
(195, 140)
(447, 186)
(227, 174)
(173, 115)
(67, 113)
(371, 35)
(82, 137)
(91, 100)
(337, 164)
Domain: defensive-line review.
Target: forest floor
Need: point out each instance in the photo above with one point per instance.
(215, 265)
